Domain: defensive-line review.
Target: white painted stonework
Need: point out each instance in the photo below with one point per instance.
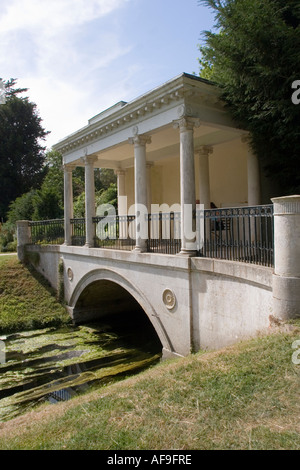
(180, 134)
(193, 303)
(216, 302)
(175, 145)
(286, 279)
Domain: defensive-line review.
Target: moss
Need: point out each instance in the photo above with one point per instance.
(61, 284)
(33, 258)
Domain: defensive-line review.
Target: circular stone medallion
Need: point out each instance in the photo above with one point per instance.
(169, 298)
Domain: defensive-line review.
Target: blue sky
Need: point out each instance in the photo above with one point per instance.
(78, 57)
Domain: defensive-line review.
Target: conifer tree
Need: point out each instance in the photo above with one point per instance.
(22, 154)
(253, 55)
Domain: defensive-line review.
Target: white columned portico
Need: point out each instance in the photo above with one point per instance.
(187, 185)
(68, 202)
(89, 199)
(140, 186)
(204, 186)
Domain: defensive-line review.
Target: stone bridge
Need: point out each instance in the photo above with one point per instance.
(192, 302)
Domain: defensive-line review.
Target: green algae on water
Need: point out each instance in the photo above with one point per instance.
(51, 365)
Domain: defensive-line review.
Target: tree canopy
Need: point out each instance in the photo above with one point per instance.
(22, 154)
(253, 56)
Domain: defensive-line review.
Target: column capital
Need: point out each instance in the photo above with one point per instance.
(186, 123)
(140, 140)
(205, 150)
(89, 159)
(69, 168)
(120, 172)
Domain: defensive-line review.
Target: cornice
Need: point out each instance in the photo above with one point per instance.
(175, 91)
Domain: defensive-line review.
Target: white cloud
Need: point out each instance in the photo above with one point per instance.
(60, 50)
(49, 17)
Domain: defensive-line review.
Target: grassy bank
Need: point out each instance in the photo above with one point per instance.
(26, 299)
(243, 397)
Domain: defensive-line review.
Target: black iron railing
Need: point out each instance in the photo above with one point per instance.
(78, 236)
(241, 234)
(164, 233)
(115, 231)
(47, 232)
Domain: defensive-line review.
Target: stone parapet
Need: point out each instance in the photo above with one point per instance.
(286, 279)
(24, 237)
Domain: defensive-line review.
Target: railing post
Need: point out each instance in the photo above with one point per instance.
(286, 278)
(23, 237)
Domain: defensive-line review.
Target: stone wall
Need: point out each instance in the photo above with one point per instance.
(193, 303)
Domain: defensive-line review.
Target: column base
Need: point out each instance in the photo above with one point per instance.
(188, 253)
(139, 249)
(88, 245)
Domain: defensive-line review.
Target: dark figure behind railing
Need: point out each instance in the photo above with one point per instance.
(240, 234)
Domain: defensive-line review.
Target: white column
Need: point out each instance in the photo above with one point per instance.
(204, 185)
(89, 199)
(68, 203)
(122, 203)
(149, 165)
(122, 206)
(187, 186)
(140, 186)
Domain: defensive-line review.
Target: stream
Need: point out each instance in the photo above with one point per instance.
(52, 365)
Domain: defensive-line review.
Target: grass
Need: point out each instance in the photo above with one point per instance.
(26, 299)
(242, 397)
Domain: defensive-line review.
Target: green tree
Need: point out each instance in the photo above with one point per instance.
(104, 177)
(104, 196)
(22, 155)
(47, 205)
(22, 208)
(253, 56)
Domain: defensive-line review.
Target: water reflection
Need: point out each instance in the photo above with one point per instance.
(55, 365)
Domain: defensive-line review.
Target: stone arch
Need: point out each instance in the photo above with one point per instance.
(105, 274)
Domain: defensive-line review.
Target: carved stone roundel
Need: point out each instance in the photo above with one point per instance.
(70, 274)
(169, 298)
